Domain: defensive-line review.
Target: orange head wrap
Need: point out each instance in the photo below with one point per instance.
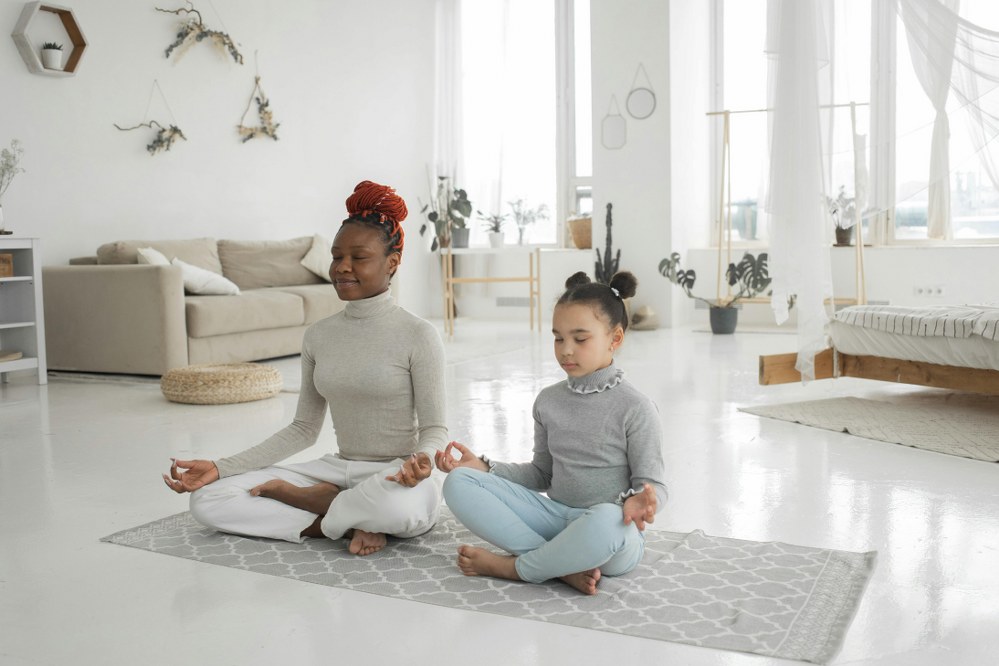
(379, 204)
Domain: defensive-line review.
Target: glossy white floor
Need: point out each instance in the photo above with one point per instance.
(80, 460)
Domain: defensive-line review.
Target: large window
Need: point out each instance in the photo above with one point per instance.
(514, 54)
(845, 79)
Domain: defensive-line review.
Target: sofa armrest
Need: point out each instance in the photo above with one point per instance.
(125, 319)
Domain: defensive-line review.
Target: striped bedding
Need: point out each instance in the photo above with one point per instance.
(941, 321)
(962, 336)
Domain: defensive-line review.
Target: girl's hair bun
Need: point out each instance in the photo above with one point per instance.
(577, 279)
(625, 282)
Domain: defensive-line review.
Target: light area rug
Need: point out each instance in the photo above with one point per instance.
(771, 599)
(957, 424)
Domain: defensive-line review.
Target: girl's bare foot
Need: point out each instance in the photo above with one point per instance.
(475, 561)
(314, 499)
(584, 581)
(365, 543)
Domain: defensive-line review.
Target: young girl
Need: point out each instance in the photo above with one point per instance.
(597, 455)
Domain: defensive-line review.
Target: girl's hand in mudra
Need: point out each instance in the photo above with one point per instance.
(446, 461)
(414, 469)
(641, 508)
(198, 473)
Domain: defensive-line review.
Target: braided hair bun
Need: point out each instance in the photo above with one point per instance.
(608, 298)
(378, 206)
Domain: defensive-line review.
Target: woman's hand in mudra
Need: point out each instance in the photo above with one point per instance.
(198, 473)
(447, 462)
(414, 469)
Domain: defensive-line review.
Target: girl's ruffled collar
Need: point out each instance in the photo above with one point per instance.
(596, 382)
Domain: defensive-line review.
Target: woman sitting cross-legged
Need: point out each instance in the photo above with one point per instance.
(380, 370)
(597, 454)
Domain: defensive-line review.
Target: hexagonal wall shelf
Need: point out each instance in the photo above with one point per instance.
(29, 53)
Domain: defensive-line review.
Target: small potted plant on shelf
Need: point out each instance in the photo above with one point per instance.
(493, 225)
(447, 211)
(843, 210)
(526, 217)
(751, 275)
(52, 55)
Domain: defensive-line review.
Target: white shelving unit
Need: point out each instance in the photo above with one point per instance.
(22, 325)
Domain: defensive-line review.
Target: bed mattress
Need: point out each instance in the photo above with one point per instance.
(964, 336)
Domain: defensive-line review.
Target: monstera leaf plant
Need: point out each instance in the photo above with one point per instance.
(750, 277)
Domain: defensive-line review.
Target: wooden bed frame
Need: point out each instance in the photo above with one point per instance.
(829, 363)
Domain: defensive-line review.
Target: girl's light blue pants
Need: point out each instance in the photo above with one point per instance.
(549, 539)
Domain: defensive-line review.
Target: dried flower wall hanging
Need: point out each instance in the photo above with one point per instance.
(267, 126)
(165, 136)
(193, 30)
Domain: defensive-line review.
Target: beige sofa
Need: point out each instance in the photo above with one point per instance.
(111, 314)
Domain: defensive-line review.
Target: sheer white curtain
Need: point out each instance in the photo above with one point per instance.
(950, 53)
(931, 29)
(509, 110)
(799, 258)
(882, 175)
(447, 89)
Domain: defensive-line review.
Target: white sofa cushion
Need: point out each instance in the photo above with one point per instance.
(319, 257)
(204, 282)
(148, 255)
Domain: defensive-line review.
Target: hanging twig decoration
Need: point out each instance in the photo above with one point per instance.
(193, 30)
(267, 126)
(165, 136)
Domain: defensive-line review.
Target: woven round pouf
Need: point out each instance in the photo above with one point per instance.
(221, 383)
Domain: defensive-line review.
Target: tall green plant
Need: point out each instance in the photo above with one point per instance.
(448, 209)
(605, 268)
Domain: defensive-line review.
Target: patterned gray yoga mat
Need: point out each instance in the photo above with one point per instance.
(766, 598)
(958, 424)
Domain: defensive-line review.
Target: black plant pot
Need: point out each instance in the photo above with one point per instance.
(844, 237)
(459, 237)
(723, 320)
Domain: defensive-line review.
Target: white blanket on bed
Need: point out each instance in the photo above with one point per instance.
(946, 321)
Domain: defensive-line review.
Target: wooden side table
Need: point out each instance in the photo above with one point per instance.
(533, 279)
(22, 318)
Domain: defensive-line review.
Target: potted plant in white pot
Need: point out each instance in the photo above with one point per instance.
(494, 227)
(52, 55)
(526, 217)
(751, 275)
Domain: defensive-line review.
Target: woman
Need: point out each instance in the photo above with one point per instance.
(381, 371)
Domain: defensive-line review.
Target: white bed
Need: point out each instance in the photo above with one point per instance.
(946, 346)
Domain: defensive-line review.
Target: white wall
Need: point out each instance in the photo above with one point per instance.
(350, 82)
(635, 178)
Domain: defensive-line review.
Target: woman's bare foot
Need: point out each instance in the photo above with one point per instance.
(365, 543)
(475, 561)
(314, 499)
(584, 581)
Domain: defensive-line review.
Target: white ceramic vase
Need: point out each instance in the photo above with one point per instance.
(495, 239)
(52, 59)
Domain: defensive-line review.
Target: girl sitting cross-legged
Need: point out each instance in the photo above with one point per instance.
(597, 455)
